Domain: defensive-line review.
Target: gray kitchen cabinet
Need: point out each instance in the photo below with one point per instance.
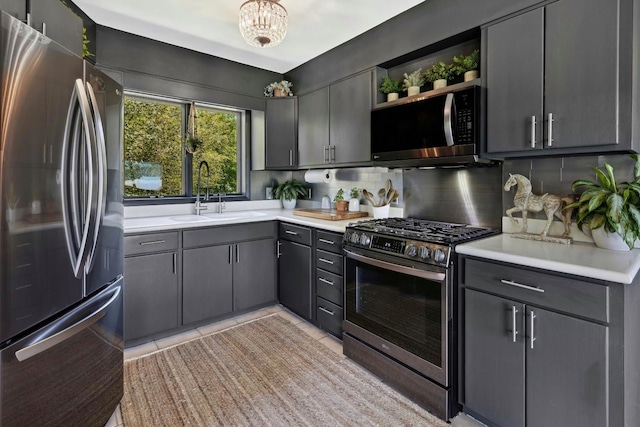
(313, 128)
(15, 8)
(151, 293)
(254, 274)
(295, 269)
(536, 347)
(281, 122)
(544, 95)
(329, 282)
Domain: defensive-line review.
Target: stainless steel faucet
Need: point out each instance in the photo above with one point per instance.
(199, 206)
(221, 205)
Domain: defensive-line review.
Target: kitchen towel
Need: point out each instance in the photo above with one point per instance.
(319, 176)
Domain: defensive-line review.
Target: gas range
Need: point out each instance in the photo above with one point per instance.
(429, 242)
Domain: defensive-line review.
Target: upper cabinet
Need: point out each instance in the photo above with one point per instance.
(335, 123)
(281, 118)
(556, 86)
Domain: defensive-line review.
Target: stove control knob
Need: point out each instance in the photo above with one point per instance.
(439, 255)
(412, 250)
(425, 253)
(365, 240)
(355, 238)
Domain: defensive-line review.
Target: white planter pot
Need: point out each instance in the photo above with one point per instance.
(440, 83)
(413, 90)
(470, 75)
(606, 240)
(289, 204)
(393, 96)
(354, 205)
(381, 211)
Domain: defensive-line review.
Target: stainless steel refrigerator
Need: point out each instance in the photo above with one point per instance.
(61, 235)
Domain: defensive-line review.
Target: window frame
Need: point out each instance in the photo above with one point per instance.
(242, 143)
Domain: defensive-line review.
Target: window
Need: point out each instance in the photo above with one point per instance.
(156, 165)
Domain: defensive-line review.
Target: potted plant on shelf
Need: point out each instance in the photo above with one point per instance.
(278, 89)
(413, 81)
(467, 65)
(354, 201)
(192, 142)
(341, 203)
(289, 192)
(390, 87)
(610, 210)
(438, 74)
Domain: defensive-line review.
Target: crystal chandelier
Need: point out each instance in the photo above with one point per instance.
(263, 23)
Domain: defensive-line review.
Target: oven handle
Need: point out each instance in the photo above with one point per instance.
(412, 271)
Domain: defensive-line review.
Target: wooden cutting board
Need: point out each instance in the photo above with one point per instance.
(329, 214)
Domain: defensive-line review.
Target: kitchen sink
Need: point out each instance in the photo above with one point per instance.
(189, 218)
(233, 215)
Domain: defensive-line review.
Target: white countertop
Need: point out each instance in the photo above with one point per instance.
(580, 258)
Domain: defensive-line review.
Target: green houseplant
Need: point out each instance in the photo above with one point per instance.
(390, 87)
(413, 81)
(609, 206)
(438, 74)
(466, 65)
(341, 203)
(289, 192)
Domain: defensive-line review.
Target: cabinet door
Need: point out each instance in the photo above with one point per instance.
(294, 278)
(15, 8)
(350, 119)
(254, 274)
(62, 25)
(515, 83)
(566, 371)
(207, 283)
(313, 128)
(150, 295)
(493, 362)
(581, 66)
(281, 130)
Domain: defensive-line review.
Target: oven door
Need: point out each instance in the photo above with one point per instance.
(401, 310)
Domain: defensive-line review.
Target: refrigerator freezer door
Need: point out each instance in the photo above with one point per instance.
(70, 371)
(37, 279)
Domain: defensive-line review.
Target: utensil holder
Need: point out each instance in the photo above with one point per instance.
(381, 211)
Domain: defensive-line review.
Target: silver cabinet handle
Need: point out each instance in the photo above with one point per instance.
(329, 312)
(448, 119)
(550, 130)
(326, 153)
(175, 262)
(533, 132)
(152, 242)
(323, 280)
(230, 254)
(326, 261)
(237, 254)
(332, 150)
(278, 253)
(290, 157)
(44, 153)
(532, 337)
(293, 233)
(328, 242)
(520, 285)
(514, 312)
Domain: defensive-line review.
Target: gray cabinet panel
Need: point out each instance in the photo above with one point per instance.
(350, 104)
(295, 278)
(295, 233)
(150, 295)
(566, 371)
(227, 234)
(493, 364)
(281, 132)
(254, 274)
(313, 128)
(62, 25)
(15, 8)
(147, 243)
(207, 283)
(515, 60)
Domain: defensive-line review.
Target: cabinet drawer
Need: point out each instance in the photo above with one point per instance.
(331, 242)
(329, 317)
(227, 234)
(329, 286)
(573, 296)
(147, 243)
(295, 233)
(329, 261)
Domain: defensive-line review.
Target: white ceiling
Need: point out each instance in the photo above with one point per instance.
(211, 26)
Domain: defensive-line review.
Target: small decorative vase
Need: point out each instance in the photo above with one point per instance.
(278, 93)
(354, 205)
(392, 96)
(440, 83)
(289, 204)
(381, 211)
(326, 202)
(606, 240)
(341, 206)
(470, 75)
(413, 90)
(12, 214)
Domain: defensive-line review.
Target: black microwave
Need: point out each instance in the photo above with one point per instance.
(439, 129)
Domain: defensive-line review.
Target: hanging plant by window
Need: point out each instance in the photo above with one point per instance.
(192, 142)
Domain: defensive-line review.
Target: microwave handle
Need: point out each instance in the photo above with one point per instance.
(448, 122)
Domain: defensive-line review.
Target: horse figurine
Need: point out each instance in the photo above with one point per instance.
(525, 201)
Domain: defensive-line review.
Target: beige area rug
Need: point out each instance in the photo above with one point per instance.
(263, 373)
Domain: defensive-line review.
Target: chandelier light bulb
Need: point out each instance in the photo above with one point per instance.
(263, 23)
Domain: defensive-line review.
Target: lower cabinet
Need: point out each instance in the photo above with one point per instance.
(294, 277)
(329, 282)
(254, 274)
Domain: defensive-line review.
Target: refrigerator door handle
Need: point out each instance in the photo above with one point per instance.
(76, 224)
(101, 154)
(60, 332)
